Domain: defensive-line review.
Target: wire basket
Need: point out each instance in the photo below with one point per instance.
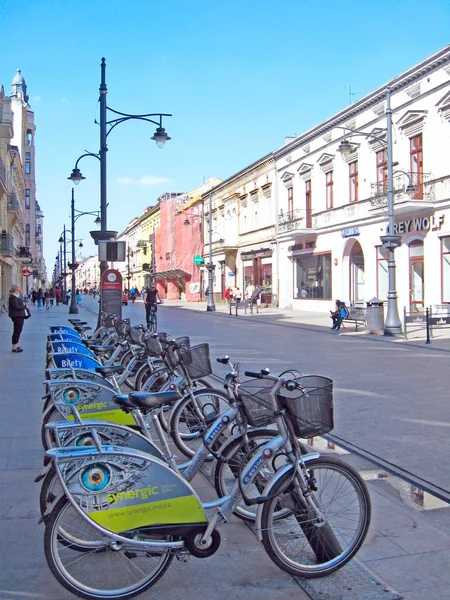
(196, 361)
(135, 335)
(311, 409)
(108, 320)
(152, 344)
(123, 327)
(258, 404)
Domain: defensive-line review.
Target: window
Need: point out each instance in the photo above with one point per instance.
(27, 198)
(353, 180)
(308, 202)
(29, 137)
(416, 161)
(382, 272)
(446, 269)
(290, 205)
(382, 175)
(329, 188)
(312, 276)
(27, 235)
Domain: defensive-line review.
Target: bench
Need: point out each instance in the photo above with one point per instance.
(356, 315)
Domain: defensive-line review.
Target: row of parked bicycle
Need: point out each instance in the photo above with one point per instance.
(118, 505)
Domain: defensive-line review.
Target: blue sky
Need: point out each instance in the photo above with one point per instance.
(238, 76)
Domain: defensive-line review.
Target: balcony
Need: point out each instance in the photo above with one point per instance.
(24, 255)
(296, 222)
(7, 244)
(13, 203)
(422, 202)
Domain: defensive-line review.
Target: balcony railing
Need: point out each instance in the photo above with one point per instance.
(294, 220)
(425, 190)
(13, 202)
(7, 244)
(24, 254)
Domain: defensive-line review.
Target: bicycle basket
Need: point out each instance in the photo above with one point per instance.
(135, 335)
(108, 320)
(255, 395)
(153, 344)
(196, 361)
(123, 327)
(311, 409)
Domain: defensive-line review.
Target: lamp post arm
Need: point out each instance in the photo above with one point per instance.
(86, 154)
(364, 133)
(124, 117)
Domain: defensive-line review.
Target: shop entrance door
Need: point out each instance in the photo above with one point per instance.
(416, 277)
(357, 275)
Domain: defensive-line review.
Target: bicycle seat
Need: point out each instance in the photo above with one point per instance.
(82, 328)
(105, 371)
(123, 401)
(152, 400)
(91, 342)
(102, 349)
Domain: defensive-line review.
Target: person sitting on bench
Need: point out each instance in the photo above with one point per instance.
(343, 314)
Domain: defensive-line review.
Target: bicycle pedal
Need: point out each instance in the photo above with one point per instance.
(183, 556)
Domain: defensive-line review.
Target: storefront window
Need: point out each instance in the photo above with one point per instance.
(248, 274)
(266, 276)
(382, 272)
(446, 269)
(312, 276)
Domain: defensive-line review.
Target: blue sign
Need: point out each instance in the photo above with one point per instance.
(350, 232)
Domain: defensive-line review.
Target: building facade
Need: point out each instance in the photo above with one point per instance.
(332, 209)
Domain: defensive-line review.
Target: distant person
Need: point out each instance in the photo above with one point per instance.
(39, 298)
(228, 295)
(238, 295)
(18, 312)
(151, 301)
(47, 300)
(343, 314)
(33, 297)
(335, 313)
(303, 293)
(249, 291)
(52, 296)
(57, 296)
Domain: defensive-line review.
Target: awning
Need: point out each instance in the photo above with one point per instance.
(172, 274)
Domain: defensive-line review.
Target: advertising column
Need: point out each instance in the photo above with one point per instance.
(111, 293)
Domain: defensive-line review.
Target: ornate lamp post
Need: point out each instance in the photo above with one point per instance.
(76, 214)
(160, 137)
(392, 326)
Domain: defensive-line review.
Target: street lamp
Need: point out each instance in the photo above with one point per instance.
(74, 215)
(160, 137)
(392, 326)
(129, 253)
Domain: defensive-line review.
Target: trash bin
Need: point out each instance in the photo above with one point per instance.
(375, 316)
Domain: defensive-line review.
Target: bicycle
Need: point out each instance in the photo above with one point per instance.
(128, 514)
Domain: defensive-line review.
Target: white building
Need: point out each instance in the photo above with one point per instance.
(333, 210)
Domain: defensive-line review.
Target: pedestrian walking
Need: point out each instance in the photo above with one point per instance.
(18, 312)
(47, 299)
(57, 296)
(238, 295)
(39, 298)
(52, 296)
(33, 297)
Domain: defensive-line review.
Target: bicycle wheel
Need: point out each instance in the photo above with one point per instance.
(186, 427)
(102, 571)
(298, 543)
(50, 490)
(225, 472)
(131, 379)
(237, 450)
(47, 436)
(146, 371)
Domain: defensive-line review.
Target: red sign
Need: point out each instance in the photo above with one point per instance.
(26, 272)
(112, 280)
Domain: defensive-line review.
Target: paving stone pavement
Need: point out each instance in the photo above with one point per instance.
(408, 547)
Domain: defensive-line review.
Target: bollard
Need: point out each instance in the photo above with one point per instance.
(428, 327)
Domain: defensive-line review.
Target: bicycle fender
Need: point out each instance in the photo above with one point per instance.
(305, 458)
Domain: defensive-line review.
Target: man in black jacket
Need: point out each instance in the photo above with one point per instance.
(18, 312)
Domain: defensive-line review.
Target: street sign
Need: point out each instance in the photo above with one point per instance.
(26, 272)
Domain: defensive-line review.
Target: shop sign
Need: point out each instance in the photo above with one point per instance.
(419, 224)
(350, 232)
(302, 246)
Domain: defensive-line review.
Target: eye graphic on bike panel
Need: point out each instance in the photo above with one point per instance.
(96, 477)
(71, 395)
(85, 440)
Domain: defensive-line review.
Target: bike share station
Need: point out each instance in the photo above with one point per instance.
(111, 282)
